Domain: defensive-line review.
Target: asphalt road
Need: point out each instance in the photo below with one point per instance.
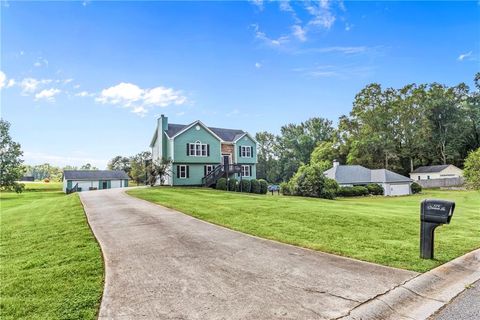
(162, 264)
(466, 306)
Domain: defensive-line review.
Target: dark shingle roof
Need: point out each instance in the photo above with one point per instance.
(356, 174)
(224, 134)
(94, 174)
(430, 169)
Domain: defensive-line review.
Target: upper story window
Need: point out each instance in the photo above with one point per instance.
(246, 152)
(198, 149)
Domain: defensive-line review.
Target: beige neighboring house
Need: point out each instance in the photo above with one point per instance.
(436, 172)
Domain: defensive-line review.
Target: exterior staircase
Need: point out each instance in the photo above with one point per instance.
(220, 171)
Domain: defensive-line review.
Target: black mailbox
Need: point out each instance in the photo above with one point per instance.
(433, 213)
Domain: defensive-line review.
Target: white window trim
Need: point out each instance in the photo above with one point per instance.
(199, 149)
(244, 153)
(210, 168)
(184, 171)
(246, 168)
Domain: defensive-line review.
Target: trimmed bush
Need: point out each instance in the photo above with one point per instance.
(245, 185)
(221, 184)
(353, 191)
(254, 186)
(309, 181)
(375, 189)
(232, 184)
(471, 172)
(263, 186)
(416, 188)
(330, 189)
(285, 189)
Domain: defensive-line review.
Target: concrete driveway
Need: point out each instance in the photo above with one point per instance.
(162, 264)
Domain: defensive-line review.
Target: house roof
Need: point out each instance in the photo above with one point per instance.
(224, 134)
(94, 174)
(430, 169)
(355, 174)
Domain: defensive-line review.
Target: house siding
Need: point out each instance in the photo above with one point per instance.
(190, 136)
(195, 176)
(246, 141)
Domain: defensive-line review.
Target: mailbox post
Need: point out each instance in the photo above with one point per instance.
(433, 214)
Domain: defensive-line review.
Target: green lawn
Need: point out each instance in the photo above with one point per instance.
(383, 230)
(51, 265)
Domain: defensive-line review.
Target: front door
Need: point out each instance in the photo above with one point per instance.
(226, 161)
(104, 185)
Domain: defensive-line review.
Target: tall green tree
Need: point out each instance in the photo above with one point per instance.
(297, 142)
(120, 163)
(138, 166)
(11, 169)
(472, 169)
(267, 160)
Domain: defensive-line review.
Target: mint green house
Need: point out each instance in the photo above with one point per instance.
(201, 155)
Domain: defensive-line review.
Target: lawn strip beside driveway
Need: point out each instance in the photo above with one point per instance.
(164, 264)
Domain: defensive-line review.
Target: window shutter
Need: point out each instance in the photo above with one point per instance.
(208, 150)
(188, 172)
(251, 152)
(188, 149)
(239, 151)
(178, 171)
(204, 170)
(250, 170)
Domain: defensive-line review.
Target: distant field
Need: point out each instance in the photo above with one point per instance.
(51, 265)
(383, 230)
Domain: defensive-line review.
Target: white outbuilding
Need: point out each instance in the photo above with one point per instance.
(86, 180)
(393, 183)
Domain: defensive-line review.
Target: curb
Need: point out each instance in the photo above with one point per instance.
(422, 296)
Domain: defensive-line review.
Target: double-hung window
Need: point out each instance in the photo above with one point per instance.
(246, 151)
(246, 171)
(183, 172)
(209, 168)
(198, 149)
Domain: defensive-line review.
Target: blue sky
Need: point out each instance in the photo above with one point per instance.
(85, 81)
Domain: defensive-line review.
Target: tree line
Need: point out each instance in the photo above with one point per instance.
(396, 129)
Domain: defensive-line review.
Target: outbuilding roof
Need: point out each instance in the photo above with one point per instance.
(94, 175)
(355, 174)
(431, 169)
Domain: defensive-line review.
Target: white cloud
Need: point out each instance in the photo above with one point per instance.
(11, 83)
(269, 41)
(258, 3)
(344, 50)
(162, 97)
(40, 62)
(465, 56)
(258, 65)
(285, 6)
(179, 114)
(334, 71)
(123, 93)
(84, 94)
(139, 100)
(47, 94)
(299, 33)
(29, 85)
(3, 79)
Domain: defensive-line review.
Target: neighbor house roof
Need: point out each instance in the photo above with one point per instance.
(94, 174)
(355, 174)
(224, 134)
(430, 169)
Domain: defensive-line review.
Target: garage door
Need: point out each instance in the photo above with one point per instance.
(399, 189)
